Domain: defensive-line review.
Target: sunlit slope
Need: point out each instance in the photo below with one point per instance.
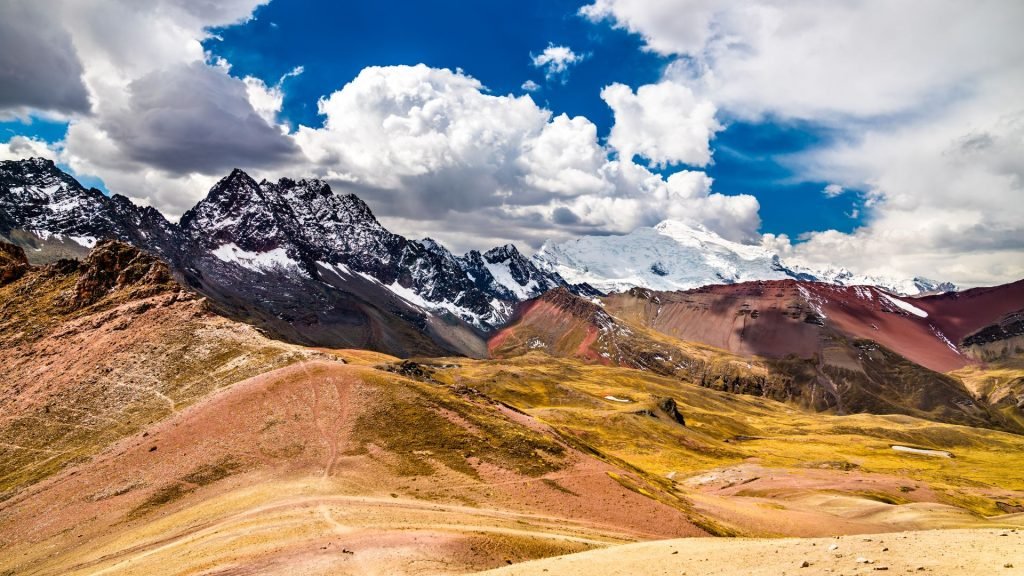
(285, 470)
(776, 451)
(91, 352)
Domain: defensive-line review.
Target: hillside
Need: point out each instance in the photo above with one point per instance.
(803, 343)
(166, 438)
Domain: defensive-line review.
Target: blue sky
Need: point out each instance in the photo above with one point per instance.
(737, 116)
(334, 41)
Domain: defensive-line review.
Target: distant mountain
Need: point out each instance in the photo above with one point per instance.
(678, 256)
(291, 256)
(824, 347)
(51, 215)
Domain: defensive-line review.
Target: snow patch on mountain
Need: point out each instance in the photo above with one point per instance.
(503, 276)
(275, 259)
(905, 306)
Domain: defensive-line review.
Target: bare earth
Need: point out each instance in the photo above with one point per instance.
(947, 552)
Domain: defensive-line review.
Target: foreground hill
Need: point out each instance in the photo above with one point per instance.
(140, 421)
(951, 552)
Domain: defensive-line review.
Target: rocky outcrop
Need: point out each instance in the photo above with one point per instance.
(114, 265)
(13, 263)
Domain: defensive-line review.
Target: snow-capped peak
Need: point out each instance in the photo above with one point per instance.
(674, 255)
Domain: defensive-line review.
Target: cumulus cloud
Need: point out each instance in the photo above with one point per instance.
(530, 86)
(925, 98)
(833, 191)
(443, 157)
(192, 118)
(157, 116)
(665, 123)
(39, 68)
(556, 60)
(268, 100)
(21, 147)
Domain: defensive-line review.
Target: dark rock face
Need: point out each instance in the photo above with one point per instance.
(1009, 326)
(37, 196)
(669, 407)
(291, 256)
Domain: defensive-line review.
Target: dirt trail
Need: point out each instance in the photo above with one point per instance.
(334, 427)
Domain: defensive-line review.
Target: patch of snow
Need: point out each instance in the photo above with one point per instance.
(422, 303)
(46, 235)
(616, 399)
(84, 241)
(814, 301)
(503, 276)
(942, 337)
(339, 269)
(922, 451)
(905, 306)
(255, 261)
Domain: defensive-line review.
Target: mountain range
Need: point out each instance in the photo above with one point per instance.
(291, 256)
(248, 229)
(278, 384)
(316, 268)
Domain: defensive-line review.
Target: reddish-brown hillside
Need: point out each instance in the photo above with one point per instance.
(781, 318)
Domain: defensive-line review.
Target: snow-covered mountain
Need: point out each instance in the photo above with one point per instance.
(50, 210)
(317, 267)
(916, 286)
(271, 248)
(678, 256)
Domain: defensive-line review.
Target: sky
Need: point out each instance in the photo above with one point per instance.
(886, 137)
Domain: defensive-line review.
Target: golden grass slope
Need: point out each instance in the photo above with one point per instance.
(723, 430)
(286, 471)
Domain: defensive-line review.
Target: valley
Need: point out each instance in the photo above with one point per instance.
(262, 390)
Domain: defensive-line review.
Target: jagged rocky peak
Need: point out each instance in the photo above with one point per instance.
(45, 209)
(233, 211)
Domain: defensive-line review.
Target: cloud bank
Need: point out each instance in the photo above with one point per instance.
(925, 95)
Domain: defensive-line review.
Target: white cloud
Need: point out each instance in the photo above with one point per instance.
(806, 58)
(21, 147)
(442, 157)
(925, 98)
(665, 123)
(161, 117)
(530, 86)
(556, 60)
(39, 68)
(833, 191)
(268, 100)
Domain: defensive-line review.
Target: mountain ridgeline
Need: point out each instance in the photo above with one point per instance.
(291, 256)
(312, 267)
